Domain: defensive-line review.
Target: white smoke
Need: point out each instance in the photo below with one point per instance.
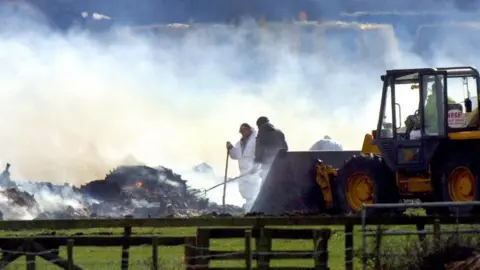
(74, 106)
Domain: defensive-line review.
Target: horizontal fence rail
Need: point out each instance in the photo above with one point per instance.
(231, 222)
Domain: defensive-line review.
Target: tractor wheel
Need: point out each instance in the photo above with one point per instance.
(458, 182)
(364, 180)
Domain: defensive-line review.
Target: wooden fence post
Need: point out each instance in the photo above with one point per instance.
(436, 232)
(203, 248)
(320, 242)
(155, 253)
(30, 255)
(70, 245)
(248, 249)
(263, 249)
(420, 227)
(126, 245)
(190, 253)
(349, 249)
(378, 247)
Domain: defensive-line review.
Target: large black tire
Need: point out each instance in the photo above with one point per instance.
(373, 167)
(444, 181)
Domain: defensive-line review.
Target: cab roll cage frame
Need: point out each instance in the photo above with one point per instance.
(412, 76)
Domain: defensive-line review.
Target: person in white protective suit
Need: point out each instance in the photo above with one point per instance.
(244, 152)
(326, 144)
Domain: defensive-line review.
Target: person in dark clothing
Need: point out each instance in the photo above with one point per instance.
(269, 141)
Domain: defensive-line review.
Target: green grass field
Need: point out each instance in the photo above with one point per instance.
(172, 257)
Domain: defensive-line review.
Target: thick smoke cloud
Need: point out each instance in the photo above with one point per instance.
(73, 106)
(76, 105)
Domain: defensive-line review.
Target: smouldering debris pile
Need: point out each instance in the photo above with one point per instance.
(140, 191)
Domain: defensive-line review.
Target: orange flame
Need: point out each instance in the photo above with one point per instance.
(303, 16)
(139, 184)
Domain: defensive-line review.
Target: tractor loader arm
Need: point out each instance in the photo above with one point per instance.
(325, 177)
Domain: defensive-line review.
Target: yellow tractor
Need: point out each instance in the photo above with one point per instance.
(429, 152)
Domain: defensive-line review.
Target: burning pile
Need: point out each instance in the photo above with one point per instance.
(140, 191)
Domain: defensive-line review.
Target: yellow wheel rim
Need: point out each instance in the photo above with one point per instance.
(461, 185)
(359, 190)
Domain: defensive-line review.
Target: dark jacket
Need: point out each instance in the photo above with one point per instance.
(269, 141)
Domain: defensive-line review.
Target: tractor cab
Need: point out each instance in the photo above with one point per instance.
(420, 108)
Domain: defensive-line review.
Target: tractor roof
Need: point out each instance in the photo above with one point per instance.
(409, 76)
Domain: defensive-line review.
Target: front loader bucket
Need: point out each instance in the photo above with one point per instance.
(291, 182)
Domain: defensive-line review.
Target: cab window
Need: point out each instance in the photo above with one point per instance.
(405, 109)
(433, 104)
(460, 89)
(386, 129)
(407, 104)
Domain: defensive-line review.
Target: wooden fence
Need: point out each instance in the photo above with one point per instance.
(47, 247)
(263, 252)
(197, 251)
(197, 248)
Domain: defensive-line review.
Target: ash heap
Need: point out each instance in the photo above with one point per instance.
(140, 191)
